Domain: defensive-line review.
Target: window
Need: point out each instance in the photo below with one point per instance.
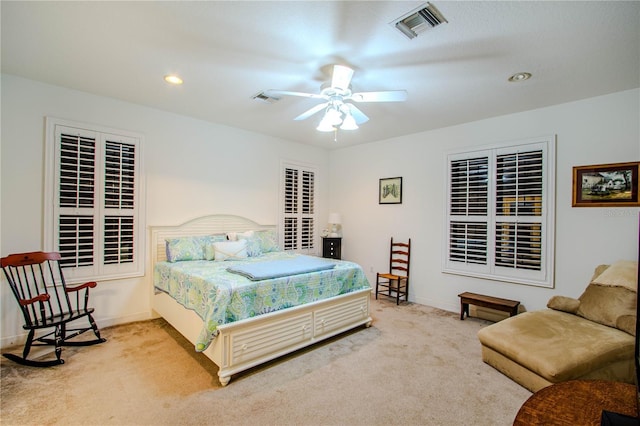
(298, 208)
(93, 205)
(500, 212)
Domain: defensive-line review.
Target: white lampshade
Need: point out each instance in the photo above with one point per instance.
(334, 218)
(333, 116)
(325, 126)
(349, 123)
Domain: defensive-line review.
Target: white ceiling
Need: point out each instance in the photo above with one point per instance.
(228, 51)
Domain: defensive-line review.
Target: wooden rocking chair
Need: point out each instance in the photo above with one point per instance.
(38, 284)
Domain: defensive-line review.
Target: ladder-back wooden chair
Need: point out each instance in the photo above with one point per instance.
(38, 284)
(395, 283)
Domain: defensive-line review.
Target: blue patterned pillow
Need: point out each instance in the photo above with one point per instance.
(185, 248)
(268, 240)
(254, 244)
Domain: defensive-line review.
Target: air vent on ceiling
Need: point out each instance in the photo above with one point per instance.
(263, 97)
(419, 20)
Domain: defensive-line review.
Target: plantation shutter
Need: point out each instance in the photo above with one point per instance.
(308, 187)
(291, 206)
(500, 213)
(468, 210)
(93, 178)
(77, 184)
(298, 222)
(119, 201)
(519, 210)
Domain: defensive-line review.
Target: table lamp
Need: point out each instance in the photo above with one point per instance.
(334, 220)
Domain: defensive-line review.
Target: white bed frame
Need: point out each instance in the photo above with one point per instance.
(250, 342)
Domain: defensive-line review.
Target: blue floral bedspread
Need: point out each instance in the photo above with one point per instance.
(221, 297)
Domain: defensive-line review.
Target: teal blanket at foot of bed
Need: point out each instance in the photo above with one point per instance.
(282, 268)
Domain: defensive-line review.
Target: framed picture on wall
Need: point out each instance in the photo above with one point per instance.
(606, 185)
(390, 191)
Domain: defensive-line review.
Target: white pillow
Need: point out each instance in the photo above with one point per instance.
(229, 250)
(235, 236)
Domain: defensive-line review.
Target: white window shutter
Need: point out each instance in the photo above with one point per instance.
(500, 212)
(298, 209)
(93, 181)
(519, 206)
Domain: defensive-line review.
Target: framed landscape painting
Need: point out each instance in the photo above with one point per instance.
(390, 191)
(606, 185)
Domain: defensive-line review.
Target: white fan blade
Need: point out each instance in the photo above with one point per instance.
(308, 113)
(358, 115)
(388, 96)
(341, 78)
(275, 93)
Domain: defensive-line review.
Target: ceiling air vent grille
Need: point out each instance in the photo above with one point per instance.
(419, 20)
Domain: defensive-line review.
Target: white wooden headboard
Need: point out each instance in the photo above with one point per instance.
(205, 225)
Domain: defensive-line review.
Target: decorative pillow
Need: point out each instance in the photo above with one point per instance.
(254, 246)
(599, 270)
(230, 250)
(235, 236)
(184, 248)
(268, 240)
(627, 323)
(209, 252)
(623, 273)
(564, 304)
(605, 304)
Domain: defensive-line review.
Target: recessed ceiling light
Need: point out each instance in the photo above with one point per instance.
(172, 79)
(520, 76)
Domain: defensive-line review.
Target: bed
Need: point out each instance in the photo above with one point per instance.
(237, 322)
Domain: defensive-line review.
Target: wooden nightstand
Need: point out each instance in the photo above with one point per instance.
(332, 247)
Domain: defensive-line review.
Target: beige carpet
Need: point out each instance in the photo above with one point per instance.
(415, 366)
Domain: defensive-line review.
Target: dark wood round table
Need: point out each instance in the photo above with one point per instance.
(578, 402)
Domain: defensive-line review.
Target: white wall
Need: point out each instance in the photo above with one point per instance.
(593, 131)
(192, 168)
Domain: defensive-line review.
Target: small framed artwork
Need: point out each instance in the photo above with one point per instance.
(390, 191)
(606, 185)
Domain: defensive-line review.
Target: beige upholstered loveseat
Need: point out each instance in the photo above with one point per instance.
(591, 337)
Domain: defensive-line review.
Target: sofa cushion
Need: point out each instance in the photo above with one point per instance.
(556, 345)
(623, 273)
(604, 304)
(610, 298)
(627, 323)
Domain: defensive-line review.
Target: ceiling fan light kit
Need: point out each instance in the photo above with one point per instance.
(337, 117)
(338, 113)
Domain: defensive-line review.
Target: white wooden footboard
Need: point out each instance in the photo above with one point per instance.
(247, 343)
(250, 342)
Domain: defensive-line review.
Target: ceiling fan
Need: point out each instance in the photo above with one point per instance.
(338, 113)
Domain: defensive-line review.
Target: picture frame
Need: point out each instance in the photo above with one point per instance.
(390, 191)
(606, 185)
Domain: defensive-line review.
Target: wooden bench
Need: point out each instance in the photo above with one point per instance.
(497, 303)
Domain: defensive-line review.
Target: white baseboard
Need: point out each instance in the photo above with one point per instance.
(20, 339)
(438, 304)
